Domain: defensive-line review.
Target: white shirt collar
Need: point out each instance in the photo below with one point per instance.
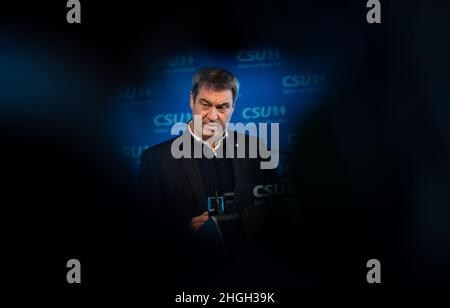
(197, 138)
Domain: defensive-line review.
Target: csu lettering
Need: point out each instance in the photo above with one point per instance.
(132, 151)
(263, 112)
(180, 60)
(258, 55)
(302, 80)
(171, 118)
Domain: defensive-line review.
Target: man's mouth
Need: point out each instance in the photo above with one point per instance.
(212, 125)
(211, 128)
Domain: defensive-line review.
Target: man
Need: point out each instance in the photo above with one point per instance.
(175, 188)
(180, 187)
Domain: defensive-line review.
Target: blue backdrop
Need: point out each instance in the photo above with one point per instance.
(275, 87)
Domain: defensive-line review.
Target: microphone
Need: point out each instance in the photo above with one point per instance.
(218, 205)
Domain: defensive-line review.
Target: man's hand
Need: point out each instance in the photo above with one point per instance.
(198, 221)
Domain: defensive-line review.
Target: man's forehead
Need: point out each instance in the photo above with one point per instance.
(215, 96)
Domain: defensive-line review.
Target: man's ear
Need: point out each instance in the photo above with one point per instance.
(191, 102)
(231, 113)
(232, 110)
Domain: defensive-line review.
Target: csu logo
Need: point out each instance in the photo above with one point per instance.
(134, 95)
(132, 151)
(168, 119)
(263, 112)
(258, 55)
(305, 80)
(269, 190)
(180, 60)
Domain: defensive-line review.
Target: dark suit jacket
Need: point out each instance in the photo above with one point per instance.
(171, 187)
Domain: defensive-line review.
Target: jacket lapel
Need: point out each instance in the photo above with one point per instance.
(246, 170)
(192, 173)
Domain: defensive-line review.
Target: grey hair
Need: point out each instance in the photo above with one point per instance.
(215, 78)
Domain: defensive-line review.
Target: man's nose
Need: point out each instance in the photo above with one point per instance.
(213, 115)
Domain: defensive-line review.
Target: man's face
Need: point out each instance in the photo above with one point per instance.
(214, 108)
